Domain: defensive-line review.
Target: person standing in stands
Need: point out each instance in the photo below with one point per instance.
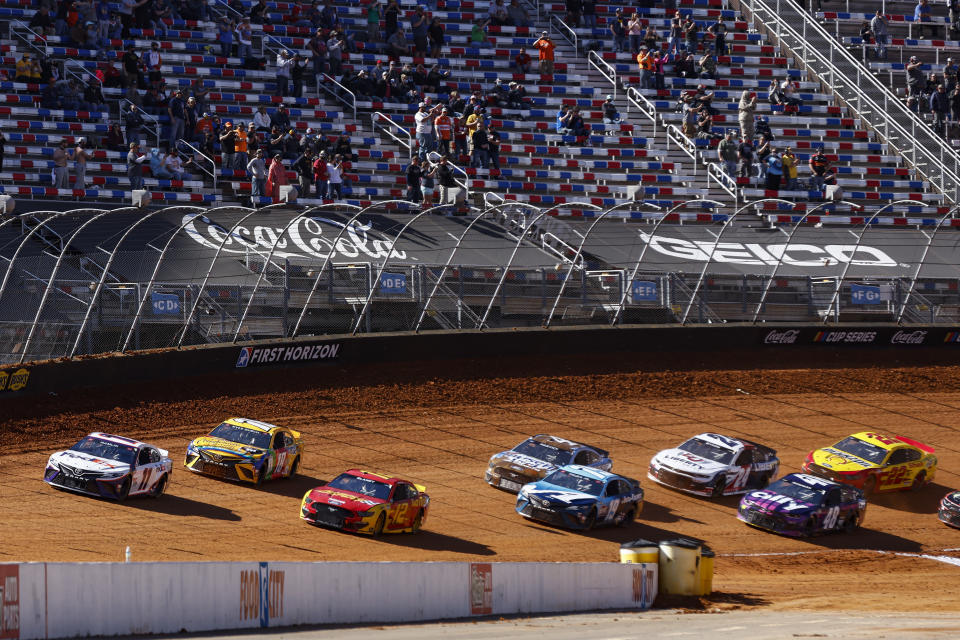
(284, 62)
(304, 168)
(391, 18)
(923, 19)
(414, 176)
(443, 125)
(133, 122)
(460, 138)
(635, 32)
(335, 177)
(764, 148)
(819, 165)
(61, 174)
(618, 29)
(774, 170)
(257, 170)
(448, 182)
(228, 139)
(545, 45)
(130, 63)
(881, 33)
(373, 13)
(915, 80)
(244, 36)
(719, 31)
(420, 24)
(240, 147)
(747, 108)
(426, 141)
(728, 154)
(691, 31)
(940, 108)
(134, 169)
(481, 147)
(676, 34)
(321, 177)
(276, 178)
(745, 153)
(789, 169)
(493, 142)
(436, 36)
(80, 157)
(176, 111)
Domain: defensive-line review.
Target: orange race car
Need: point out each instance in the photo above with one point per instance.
(367, 502)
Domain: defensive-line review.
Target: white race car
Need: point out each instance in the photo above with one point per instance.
(715, 465)
(110, 466)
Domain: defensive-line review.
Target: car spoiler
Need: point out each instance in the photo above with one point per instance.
(636, 483)
(762, 447)
(603, 452)
(918, 445)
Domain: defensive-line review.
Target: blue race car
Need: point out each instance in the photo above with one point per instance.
(579, 497)
(804, 505)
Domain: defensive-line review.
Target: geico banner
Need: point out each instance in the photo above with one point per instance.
(59, 600)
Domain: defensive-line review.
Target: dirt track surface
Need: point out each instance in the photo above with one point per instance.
(440, 432)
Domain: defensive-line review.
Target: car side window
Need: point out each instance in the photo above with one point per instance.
(911, 455)
(287, 440)
(154, 455)
(745, 457)
(613, 488)
(833, 498)
(402, 492)
(848, 493)
(143, 457)
(586, 457)
(898, 456)
(277, 441)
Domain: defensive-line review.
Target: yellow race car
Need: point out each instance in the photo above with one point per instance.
(875, 462)
(246, 450)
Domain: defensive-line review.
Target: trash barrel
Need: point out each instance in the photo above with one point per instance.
(706, 570)
(639, 551)
(680, 567)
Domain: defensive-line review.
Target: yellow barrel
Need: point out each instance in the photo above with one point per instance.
(706, 570)
(680, 567)
(639, 551)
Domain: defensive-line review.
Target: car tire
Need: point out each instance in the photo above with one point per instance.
(591, 520)
(869, 485)
(417, 522)
(852, 524)
(378, 526)
(628, 517)
(294, 468)
(124, 490)
(810, 527)
(718, 486)
(919, 482)
(160, 488)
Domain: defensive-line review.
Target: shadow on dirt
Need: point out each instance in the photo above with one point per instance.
(653, 512)
(715, 600)
(926, 500)
(294, 487)
(864, 538)
(433, 541)
(180, 506)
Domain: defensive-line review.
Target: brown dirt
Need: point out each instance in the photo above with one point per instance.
(440, 433)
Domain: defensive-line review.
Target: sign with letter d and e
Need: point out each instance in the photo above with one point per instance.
(863, 294)
(644, 291)
(165, 303)
(393, 282)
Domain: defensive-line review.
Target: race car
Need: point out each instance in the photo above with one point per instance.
(580, 497)
(246, 450)
(713, 465)
(367, 502)
(950, 509)
(803, 505)
(875, 462)
(110, 466)
(537, 456)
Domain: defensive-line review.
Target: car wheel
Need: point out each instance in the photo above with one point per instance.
(810, 527)
(919, 481)
(718, 486)
(262, 474)
(295, 467)
(160, 488)
(852, 524)
(869, 485)
(378, 527)
(124, 490)
(591, 520)
(417, 522)
(627, 517)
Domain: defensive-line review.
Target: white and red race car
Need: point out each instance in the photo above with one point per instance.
(713, 465)
(110, 466)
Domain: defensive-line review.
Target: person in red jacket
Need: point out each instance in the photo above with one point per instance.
(276, 177)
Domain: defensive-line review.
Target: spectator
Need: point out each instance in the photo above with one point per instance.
(343, 149)
(296, 74)
(708, 67)
(174, 166)
(577, 125)
(131, 68)
(497, 14)
(763, 127)
(190, 119)
(456, 104)
(420, 25)
(225, 37)
(228, 138)
(436, 37)
(790, 169)
(245, 40)
(610, 113)
(516, 97)
(373, 13)
(414, 177)
(728, 154)
(950, 75)
(93, 97)
(588, 9)
(448, 183)
(133, 122)
(719, 31)
(284, 63)
(915, 80)
(397, 44)
(704, 124)
(522, 62)
(618, 29)
(134, 166)
(879, 27)
(651, 40)
(156, 165)
(645, 61)
(240, 156)
(481, 148)
(691, 31)
(335, 185)
(427, 185)
(574, 10)
(764, 148)
(745, 153)
(61, 173)
(924, 19)
(676, 34)
(747, 109)
(493, 140)
(685, 66)
(443, 125)
(426, 141)
(113, 141)
(774, 94)
(460, 137)
(635, 31)
(258, 12)
(478, 36)
(658, 62)
(518, 16)
(940, 108)
(690, 115)
(774, 170)
(290, 144)
(391, 18)
(499, 94)
(321, 177)
(280, 118)
(866, 37)
(276, 178)
(819, 165)
(257, 170)
(563, 120)
(303, 165)
(788, 91)
(42, 22)
(177, 112)
(955, 103)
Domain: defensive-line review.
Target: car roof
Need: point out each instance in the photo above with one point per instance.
(370, 475)
(732, 444)
(109, 437)
(811, 482)
(589, 472)
(257, 425)
(566, 445)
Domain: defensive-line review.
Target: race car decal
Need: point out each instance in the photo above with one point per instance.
(562, 496)
(527, 461)
(848, 457)
(787, 504)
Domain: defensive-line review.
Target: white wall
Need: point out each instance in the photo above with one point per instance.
(57, 600)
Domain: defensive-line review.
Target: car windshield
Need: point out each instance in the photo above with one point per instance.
(708, 450)
(105, 449)
(544, 452)
(242, 435)
(861, 449)
(797, 491)
(363, 486)
(576, 482)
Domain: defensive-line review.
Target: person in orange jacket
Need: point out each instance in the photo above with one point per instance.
(546, 47)
(443, 125)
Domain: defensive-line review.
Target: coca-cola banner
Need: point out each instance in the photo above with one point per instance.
(846, 336)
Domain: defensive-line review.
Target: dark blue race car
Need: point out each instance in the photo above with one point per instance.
(804, 505)
(579, 497)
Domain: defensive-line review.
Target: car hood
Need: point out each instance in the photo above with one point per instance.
(525, 464)
(685, 461)
(553, 494)
(85, 462)
(774, 502)
(837, 460)
(343, 499)
(227, 447)
(952, 499)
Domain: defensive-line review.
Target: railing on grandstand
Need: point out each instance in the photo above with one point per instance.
(20, 31)
(81, 73)
(124, 105)
(683, 143)
(716, 174)
(433, 158)
(606, 70)
(857, 88)
(197, 154)
(224, 9)
(384, 124)
(644, 106)
(338, 91)
(565, 32)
